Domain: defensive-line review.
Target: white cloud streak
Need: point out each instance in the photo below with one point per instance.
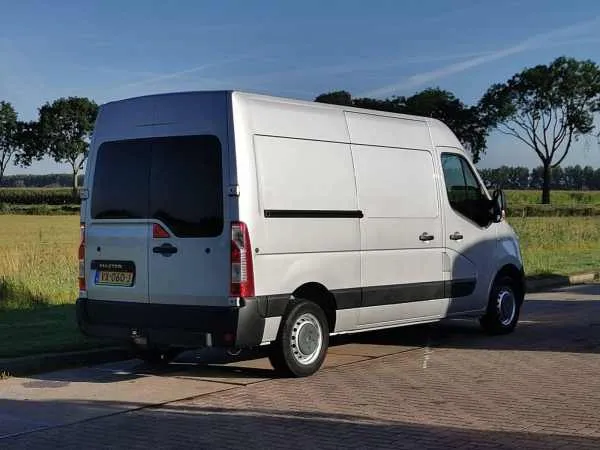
(535, 42)
(179, 74)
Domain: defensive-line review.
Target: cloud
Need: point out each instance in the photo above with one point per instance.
(178, 74)
(357, 66)
(175, 80)
(535, 42)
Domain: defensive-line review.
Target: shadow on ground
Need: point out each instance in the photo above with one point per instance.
(205, 427)
(546, 326)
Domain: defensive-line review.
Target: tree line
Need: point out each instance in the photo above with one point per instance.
(571, 178)
(546, 107)
(50, 180)
(62, 131)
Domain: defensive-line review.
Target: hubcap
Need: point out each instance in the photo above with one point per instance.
(307, 339)
(506, 306)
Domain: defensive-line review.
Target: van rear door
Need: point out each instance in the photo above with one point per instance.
(157, 230)
(190, 250)
(118, 232)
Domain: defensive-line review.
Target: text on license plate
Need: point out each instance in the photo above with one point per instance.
(114, 278)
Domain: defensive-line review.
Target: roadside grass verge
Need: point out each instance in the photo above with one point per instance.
(559, 245)
(38, 273)
(38, 285)
(557, 198)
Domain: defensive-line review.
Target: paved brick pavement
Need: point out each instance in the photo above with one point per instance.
(444, 386)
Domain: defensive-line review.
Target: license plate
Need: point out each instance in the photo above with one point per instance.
(110, 278)
(114, 273)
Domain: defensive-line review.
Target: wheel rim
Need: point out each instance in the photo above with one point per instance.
(307, 339)
(506, 306)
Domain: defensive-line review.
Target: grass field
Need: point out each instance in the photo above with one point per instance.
(38, 285)
(38, 273)
(557, 198)
(38, 260)
(559, 245)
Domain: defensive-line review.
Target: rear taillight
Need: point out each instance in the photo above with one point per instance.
(242, 273)
(81, 255)
(158, 232)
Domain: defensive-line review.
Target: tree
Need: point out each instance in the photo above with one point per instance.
(62, 132)
(8, 135)
(463, 120)
(507, 177)
(436, 103)
(547, 107)
(336, 98)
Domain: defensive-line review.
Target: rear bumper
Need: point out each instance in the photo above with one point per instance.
(185, 326)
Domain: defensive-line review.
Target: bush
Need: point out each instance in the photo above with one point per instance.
(37, 196)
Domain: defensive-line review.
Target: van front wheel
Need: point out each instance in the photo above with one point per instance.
(504, 307)
(303, 340)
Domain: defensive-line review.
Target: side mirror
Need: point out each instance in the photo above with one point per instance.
(498, 205)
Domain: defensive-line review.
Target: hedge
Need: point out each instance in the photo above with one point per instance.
(551, 210)
(39, 210)
(61, 201)
(38, 196)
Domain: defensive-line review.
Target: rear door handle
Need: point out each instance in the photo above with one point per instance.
(456, 236)
(426, 237)
(165, 249)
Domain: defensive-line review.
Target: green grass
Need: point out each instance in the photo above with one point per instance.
(42, 330)
(38, 260)
(38, 273)
(559, 245)
(38, 285)
(557, 198)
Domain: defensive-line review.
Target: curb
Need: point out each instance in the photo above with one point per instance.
(28, 365)
(542, 283)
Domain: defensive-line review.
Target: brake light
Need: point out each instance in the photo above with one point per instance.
(242, 271)
(81, 256)
(158, 232)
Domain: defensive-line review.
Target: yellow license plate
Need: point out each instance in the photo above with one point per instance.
(115, 278)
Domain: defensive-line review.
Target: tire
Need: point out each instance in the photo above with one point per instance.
(504, 307)
(302, 343)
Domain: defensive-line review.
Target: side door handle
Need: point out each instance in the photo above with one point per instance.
(165, 249)
(426, 237)
(456, 236)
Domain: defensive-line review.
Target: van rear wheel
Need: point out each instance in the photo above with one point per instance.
(303, 340)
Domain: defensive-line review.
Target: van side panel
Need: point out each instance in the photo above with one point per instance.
(301, 182)
(398, 193)
(302, 202)
(382, 131)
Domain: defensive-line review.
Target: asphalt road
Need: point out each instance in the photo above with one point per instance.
(440, 386)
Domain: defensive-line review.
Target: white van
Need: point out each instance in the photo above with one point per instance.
(238, 220)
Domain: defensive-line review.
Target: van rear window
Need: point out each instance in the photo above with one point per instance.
(174, 179)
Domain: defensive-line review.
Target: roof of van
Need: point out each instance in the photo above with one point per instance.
(263, 96)
(437, 127)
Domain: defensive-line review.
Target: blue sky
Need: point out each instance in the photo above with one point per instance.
(114, 49)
